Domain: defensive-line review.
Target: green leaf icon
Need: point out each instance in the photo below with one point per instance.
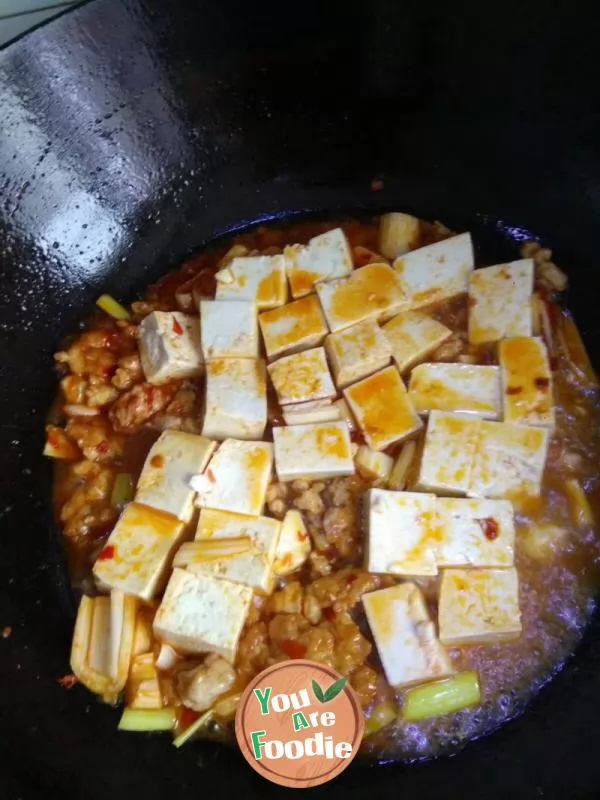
(318, 692)
(335, 689)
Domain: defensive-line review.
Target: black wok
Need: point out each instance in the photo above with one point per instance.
(132, 132)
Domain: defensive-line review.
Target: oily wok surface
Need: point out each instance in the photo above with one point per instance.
(134, 132)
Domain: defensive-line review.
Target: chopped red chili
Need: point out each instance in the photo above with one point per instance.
(107, 553)
(187, 717)
(177, 327)
(514, 389)
(542, 383)
(157, 461)
(351, 578)
(103, 447)
(329, 613)
(293, 649)
(53, 440)
(490, 528)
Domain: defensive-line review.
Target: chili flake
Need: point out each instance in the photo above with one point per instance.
(107, 553)
(514, 389)
(542, 383)
(293, 649)
(177, 327)
(490, 528)
(67, 681)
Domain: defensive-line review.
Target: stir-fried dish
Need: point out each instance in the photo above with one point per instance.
(342, 443)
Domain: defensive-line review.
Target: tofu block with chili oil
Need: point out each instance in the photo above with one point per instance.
(228, 329)
(437, 272)
(474, 533)
(254, 567)
(313, 452)
(169, 343)
(413, 336)
(259, 279)
(236, 398)
(138, 551)
(526, 382)
(294, 545)
(202, 614)
(172, 460)
(477, 606)
(302, 377)
(470, 388)
(447, 458)
(371, 292)
(500, 301)
(311, 412)
(237, 478)
(508, 461)
(293, 327)
(405, 636)
(325, 257)
(402, 533)
(357, 351)
(398, 233)
(383, 409)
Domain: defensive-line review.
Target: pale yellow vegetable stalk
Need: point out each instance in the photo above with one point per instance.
(441, 697)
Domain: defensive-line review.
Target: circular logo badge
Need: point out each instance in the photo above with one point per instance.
(299, 723)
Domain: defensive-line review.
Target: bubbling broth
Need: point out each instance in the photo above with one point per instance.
(361, 509)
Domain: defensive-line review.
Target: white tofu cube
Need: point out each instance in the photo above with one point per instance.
(259, 279)
(237, 478)
(447, 457)
(294, 544)
(382, 408)
(357, 351)
(173, 459)
(500, 301)
(202, 614)
(468, 388)
(371, 292)
(398, 233)
(437, 272)
(228, 329)
(302, 377)
(509, 461)
(254, 568)
(293, 327)
(373, 464)
(526, 382)
(478, 606)
(313, 452)
(345, 414)
(311, 413)
(413, 336)
(236, 398)
(324, 257)
(402, 533)
(475, 533)
(138, 551)
(405, 636)
(169, 343)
